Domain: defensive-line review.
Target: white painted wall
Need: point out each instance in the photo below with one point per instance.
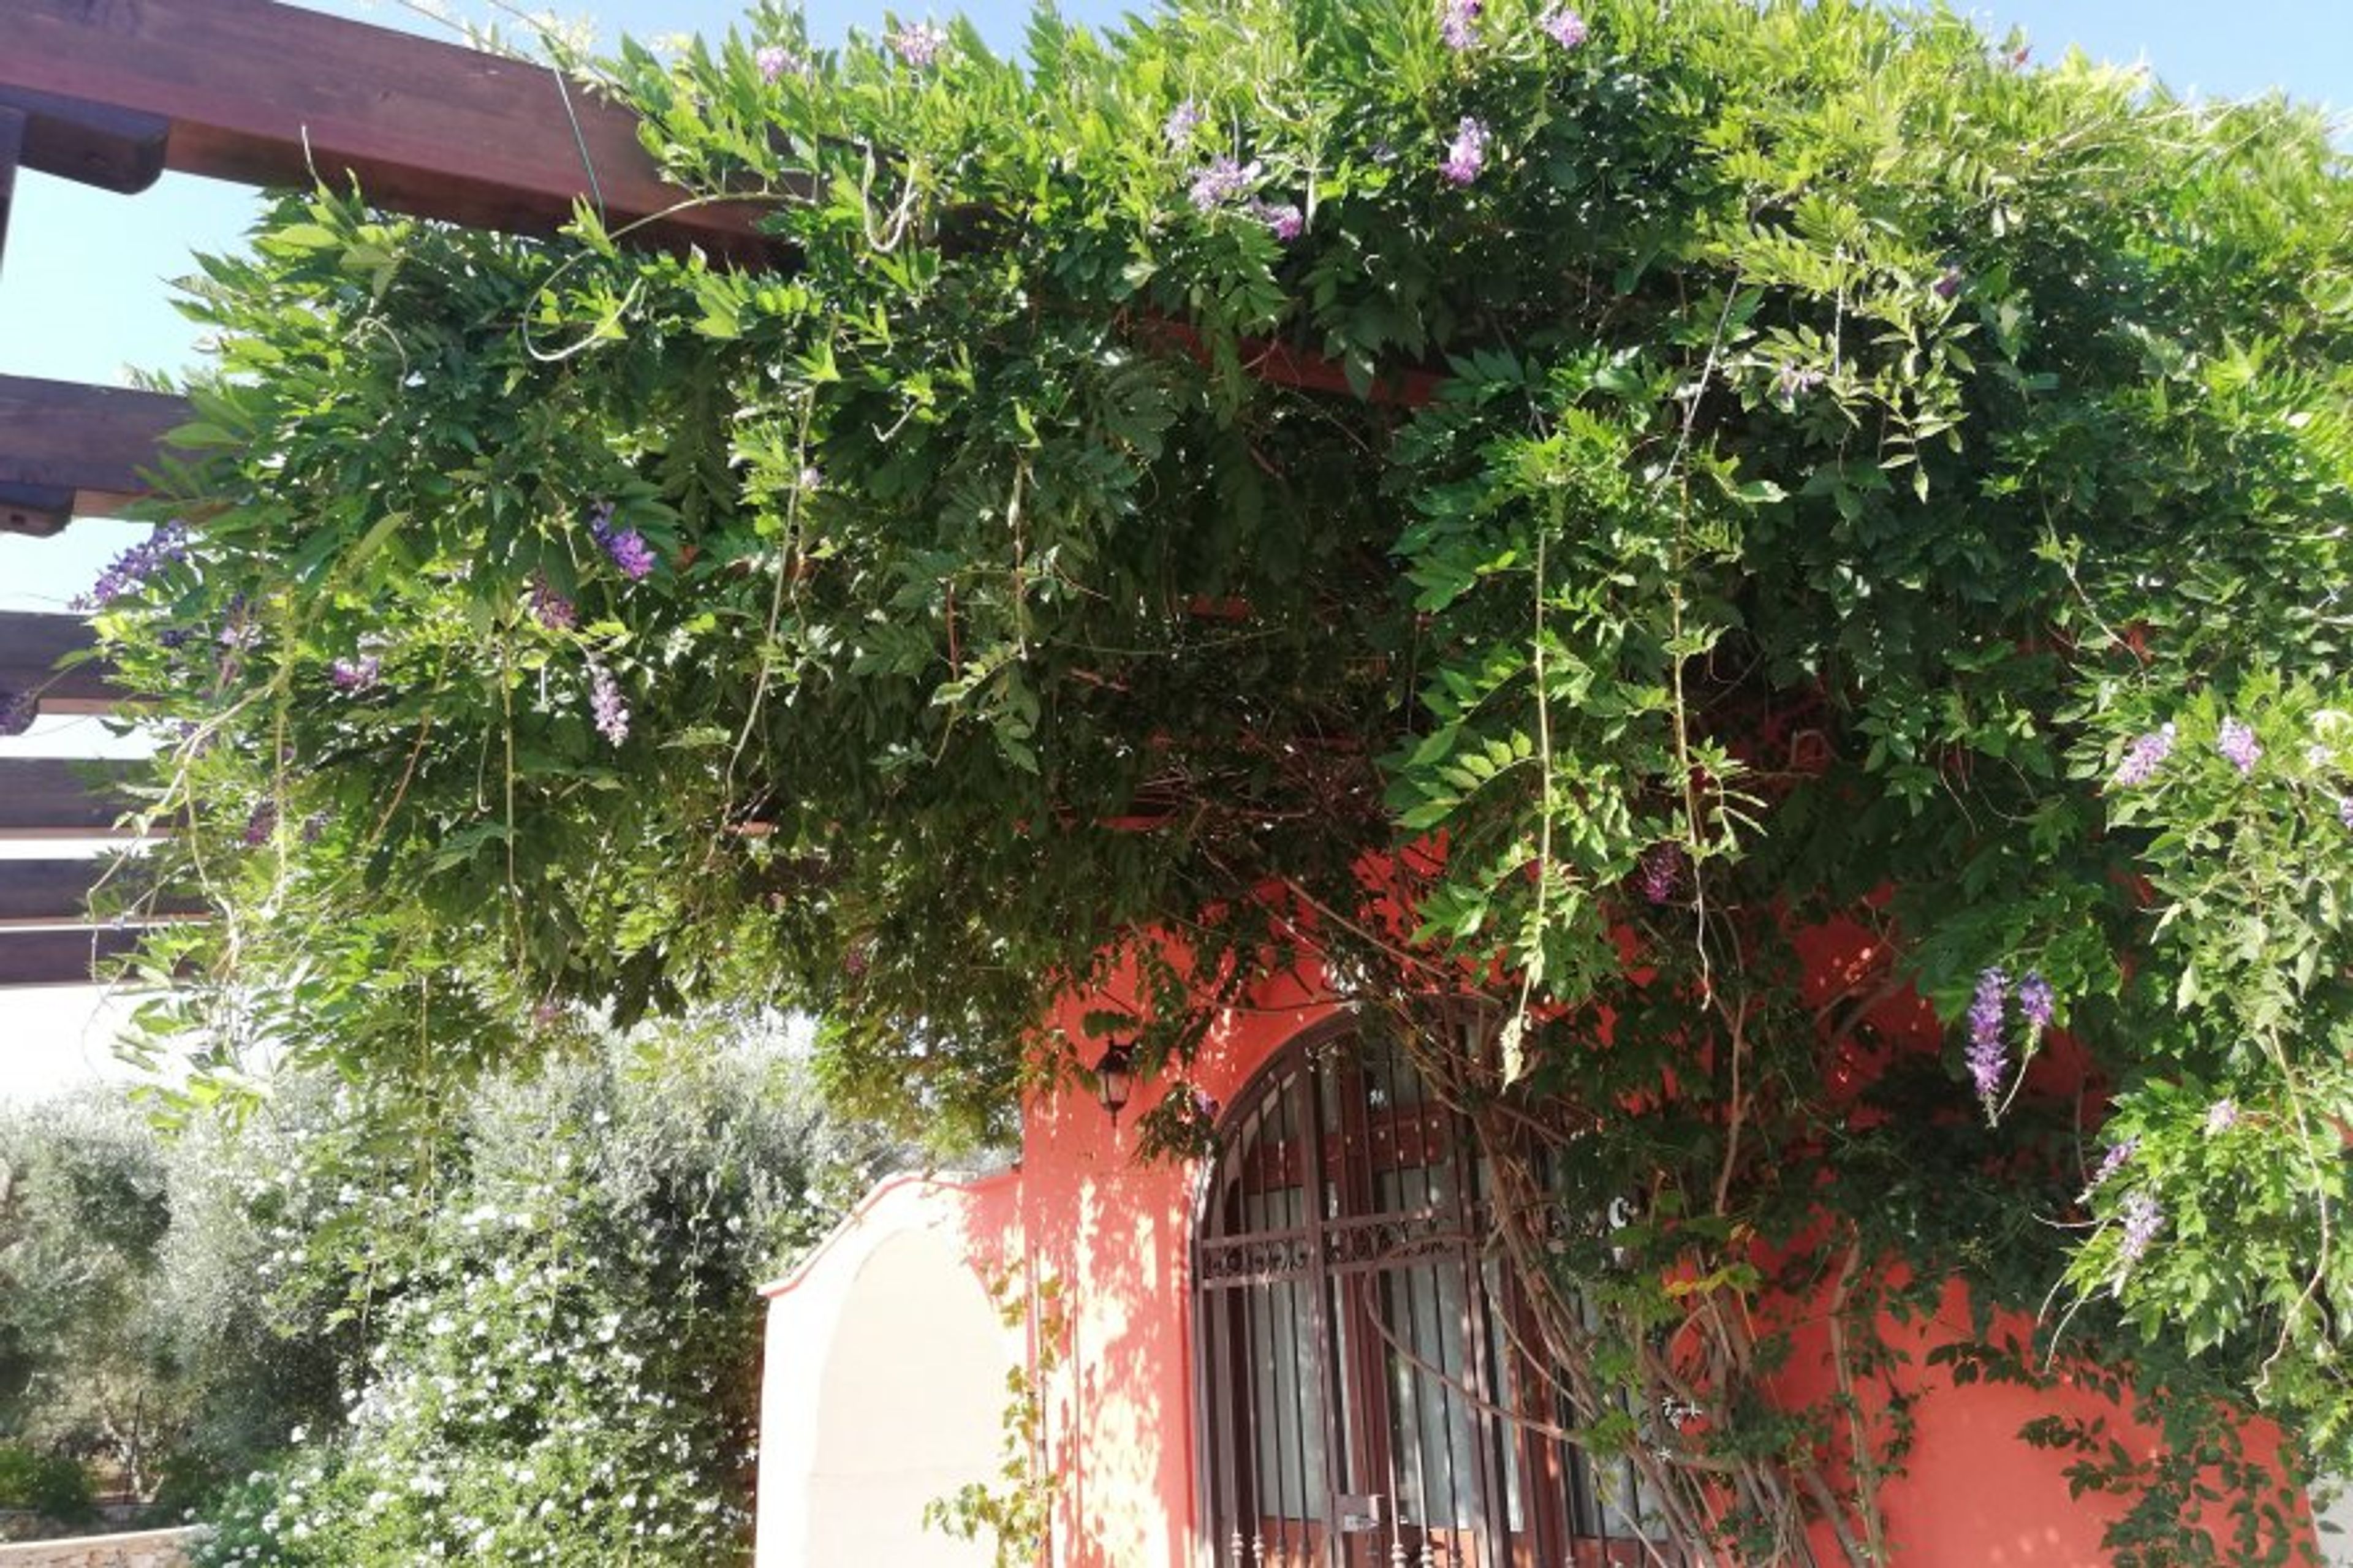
(884, 1388)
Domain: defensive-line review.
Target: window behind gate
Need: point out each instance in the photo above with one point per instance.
(1357, 1354)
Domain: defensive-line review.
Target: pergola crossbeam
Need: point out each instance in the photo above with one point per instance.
(70, 451)
(30, 646)
(54, 797)
(61, 955)
(57, 892)
(271, 95)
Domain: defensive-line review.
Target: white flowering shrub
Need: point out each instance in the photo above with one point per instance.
(558, 1311)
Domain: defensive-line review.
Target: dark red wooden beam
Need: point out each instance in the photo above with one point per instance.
(68, 450)
(57, 892)
(61, 955)
(111, 147)
(270, 95)
(46, 892)
(30, 646)
(50, 797)
(90, 143)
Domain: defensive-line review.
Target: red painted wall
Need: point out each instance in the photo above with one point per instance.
(1120, 1414)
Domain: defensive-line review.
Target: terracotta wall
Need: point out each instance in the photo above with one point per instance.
(1120, 1426)
(1117, 1235)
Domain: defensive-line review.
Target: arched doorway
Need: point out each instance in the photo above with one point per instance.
(1359, 1358)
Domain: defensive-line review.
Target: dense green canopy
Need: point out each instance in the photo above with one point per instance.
(1869, 476)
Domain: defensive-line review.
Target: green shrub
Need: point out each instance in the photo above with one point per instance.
(48, 1484)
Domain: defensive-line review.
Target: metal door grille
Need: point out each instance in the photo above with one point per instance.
(1353, 1363)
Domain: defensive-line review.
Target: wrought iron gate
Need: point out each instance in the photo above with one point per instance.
(1357, 1362)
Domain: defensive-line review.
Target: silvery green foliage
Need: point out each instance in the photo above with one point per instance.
(547, 1287)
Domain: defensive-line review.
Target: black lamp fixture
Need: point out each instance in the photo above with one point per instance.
(1115, 1076)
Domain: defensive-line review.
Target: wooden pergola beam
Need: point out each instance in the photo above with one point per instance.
(30, 646)
(61, 955)
(57, 892)
(68, 450)
(51, 797)
(270, 95)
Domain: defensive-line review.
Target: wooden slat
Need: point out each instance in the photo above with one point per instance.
(57, 892)
(90, 143)
(268, 94)
(30, 646)
(60, 956)
(46, 892)
(81, 448)
(47, 797)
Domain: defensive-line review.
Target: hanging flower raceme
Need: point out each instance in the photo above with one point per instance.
(131, 570)
(551, 609)
(1564, 26)
(2115, 1160)
(1285, 222)
(2144, 757)
(918, 43)
(610, 713)
(1988, 1058)
(626, 546)
(2239, 747)
(1222, 181)
(357, 674)
(1458, 23)
(1182, 122)
(2142, 1216)
(1467, 154)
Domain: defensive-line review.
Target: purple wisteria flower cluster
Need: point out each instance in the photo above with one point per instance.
(626, 546)
(1458, 23)
(2345, 810)
(1282, 220)
(130, 570)
(1987, 1056)
(2220, 1117)
(1660, 875)
(551, 609)
(355, 674)
(17, 710)
(1467, 154)
(612, 715)
(1564, 26)
(260, 825)
(2144, 757)
(1222, 180)
(776, 62)
(2239, 747)
(1795, 381)
(2115, 1160)
(2143, 1217)
(2036, 1000)
(918, 43)
(1988, 1053)
(1182, 122)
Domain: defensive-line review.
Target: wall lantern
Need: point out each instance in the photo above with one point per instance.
(1116, 1078)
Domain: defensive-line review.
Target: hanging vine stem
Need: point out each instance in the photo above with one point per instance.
(1514, 1031)
(1692, 1489)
